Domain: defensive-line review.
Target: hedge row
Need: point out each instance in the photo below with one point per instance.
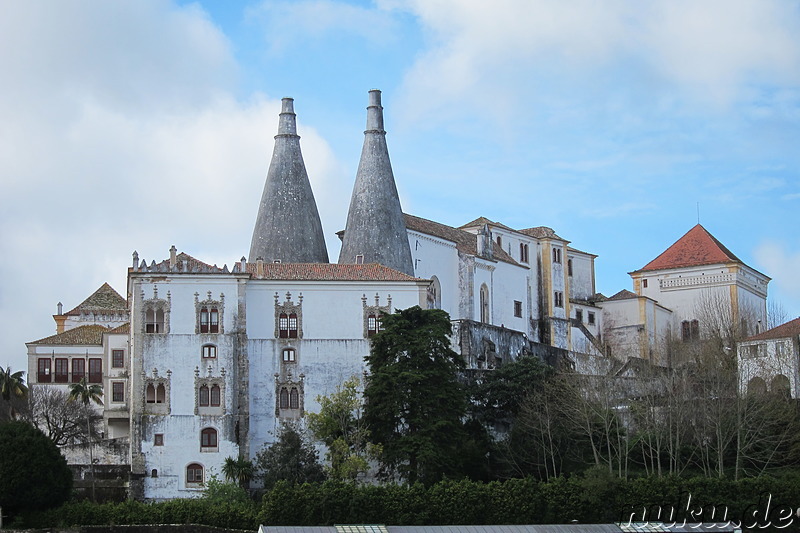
(593, 498)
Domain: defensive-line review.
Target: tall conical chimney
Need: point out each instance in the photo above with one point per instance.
(288, 228)
(375, 230)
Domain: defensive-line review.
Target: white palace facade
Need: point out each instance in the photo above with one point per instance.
(200, 363)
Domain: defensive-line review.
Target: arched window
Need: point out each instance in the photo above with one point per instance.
(435, 294)
(484, 301)
(150, 394)
(208, 438)
(194, 474)
(289, 355)
(203, 396)
(283, 325)
(756, 386)
(780, 385)
(499, 241)
(215, 395)
(294, 399)
(284, 400)
(209, 351)
(161, 393)
(292, 326)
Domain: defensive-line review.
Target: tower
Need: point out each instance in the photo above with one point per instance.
(375, 230)
(288, 228)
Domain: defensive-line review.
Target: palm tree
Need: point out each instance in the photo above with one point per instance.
(87, 393)
(239, 470)
(12, 385)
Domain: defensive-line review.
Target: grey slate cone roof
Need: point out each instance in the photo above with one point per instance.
(288, 228)
(375, 226)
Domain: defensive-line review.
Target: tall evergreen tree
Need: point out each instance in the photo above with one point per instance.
(414, 401)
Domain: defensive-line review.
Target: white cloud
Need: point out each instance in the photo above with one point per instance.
(120, 132)
(485, 53)
(285, 22)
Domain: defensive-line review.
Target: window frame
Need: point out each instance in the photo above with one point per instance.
(78, 374)
(117, 358)
(117, 392)
(517, 309)
(289, 355)
(208, 351)
(590, 318)
(209, 440)
(95, 376)
(203, 396)
(579, 315)
(61, 370)
(158, 439)
(215, 395)
(44, 372)
(192, 477)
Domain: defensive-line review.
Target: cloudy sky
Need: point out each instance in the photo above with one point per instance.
(135, 125)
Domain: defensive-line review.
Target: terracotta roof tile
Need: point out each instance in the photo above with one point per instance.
(328, 272)
(82, 335)
(480, 221)
(696, 248)
(124, 329)
(103, 299)
(624, 294)
(542, 232)
(465, 241)
(789, 329)
(191, 265)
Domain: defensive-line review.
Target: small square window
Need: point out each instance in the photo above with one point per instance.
(158, 439)
(517, 308)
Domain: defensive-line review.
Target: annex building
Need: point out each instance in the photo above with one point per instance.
(200, 362)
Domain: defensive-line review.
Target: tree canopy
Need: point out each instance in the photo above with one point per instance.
(33, 473)
(291, 458)
(414, 401)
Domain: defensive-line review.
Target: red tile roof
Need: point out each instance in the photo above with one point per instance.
(80, 336)
(789, 329)
(698, 247)
(465, 241)
(328, 272)
(103, 299)
(542, 232)
(124, 329)
(624, 294)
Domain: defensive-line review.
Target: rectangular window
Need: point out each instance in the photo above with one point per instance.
(690, 330)
(283, 325)
(579, 315)
(569, 267)
(43, 371)
(62, 371)
(288, 355)
(117, 358)
(591, 318)
(78, 370)
(215, 395)
(644, 283)
(214, 325)
(95, 370)
(556, 255)
(117, 391)
(209, 351)
(293, 326)
(517, 309)
(158, 439)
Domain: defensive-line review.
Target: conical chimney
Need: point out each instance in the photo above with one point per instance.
(288, 228)
(375, 230)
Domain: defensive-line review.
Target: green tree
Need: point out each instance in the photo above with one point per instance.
(12, 386)
(238, 470)
(414, 401)
(291, 458)
(341, 427)
(86, 393)
(35, 475)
